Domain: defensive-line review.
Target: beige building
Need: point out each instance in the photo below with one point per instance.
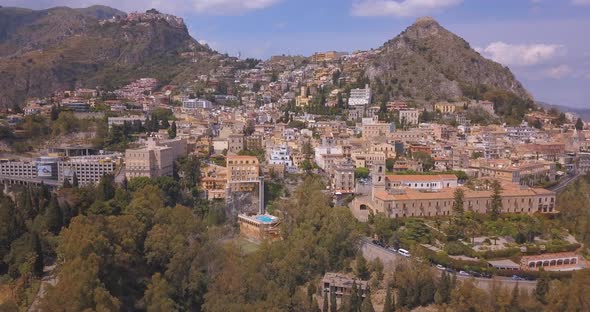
(242, 173)
(445, 107)
(409, 116)
(259, 227)
(154, 160)
(235, 143)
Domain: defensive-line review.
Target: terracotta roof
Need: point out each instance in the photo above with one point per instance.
(549, 256)
(420, 177)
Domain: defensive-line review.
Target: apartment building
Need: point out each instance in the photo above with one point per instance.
(21, 169)
(87, 169)
(360, 97)
(156, 159)
(343, 179)
(242, 172)
(409, 116)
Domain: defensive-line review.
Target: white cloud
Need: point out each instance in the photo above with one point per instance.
(581, 2)
(520, 54)
(216, 7)
(558, 72)
(400, 8)
(231, 6)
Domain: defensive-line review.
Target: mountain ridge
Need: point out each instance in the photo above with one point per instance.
(428, 61)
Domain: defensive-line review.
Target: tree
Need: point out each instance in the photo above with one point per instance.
(106, 187)
(361, 173)
(579, 124)
(367, 305)
(75, 182)
(54, 216)
(361, 269)
(36, 246)
(389, 305)
(496, 201)
(172, 130)
(514, 298)
(333, 305)
(67, 183)
(458, 202)
(542, 288)
(157, 295)
(325, 303)
(54, 112)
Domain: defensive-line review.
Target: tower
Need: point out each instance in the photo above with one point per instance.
(378, 177)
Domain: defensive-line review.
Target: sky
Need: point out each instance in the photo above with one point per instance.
(546, 43)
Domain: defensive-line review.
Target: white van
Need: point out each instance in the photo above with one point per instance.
(403, 252)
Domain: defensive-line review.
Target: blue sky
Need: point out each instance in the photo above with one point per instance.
(544, 42)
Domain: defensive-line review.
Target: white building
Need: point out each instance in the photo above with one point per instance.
(360, 97)
(194, 104)
(282, 156)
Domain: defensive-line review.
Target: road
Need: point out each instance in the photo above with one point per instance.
(390, 259)
(564, 183)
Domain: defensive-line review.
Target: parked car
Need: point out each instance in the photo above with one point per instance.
(463, 273)
(392, 249)
(440, 267)
(517, 278)
(404, 252)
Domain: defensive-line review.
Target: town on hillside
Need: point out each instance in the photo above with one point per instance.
(295, 177)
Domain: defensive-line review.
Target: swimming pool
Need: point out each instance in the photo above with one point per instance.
(265, 219)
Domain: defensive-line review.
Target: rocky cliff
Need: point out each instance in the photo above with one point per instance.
(429, 62)
(63, 48)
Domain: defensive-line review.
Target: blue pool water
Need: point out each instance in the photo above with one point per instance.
(265, 219)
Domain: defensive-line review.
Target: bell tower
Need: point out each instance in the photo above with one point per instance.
(378, 177)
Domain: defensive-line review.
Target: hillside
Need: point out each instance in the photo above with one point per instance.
(426, 61)
(64, 48)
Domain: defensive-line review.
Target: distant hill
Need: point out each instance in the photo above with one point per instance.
(584, 113)
(63, 48)
(426, 61)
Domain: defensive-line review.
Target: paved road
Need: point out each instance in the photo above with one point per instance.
(564, 183)
(390, 259)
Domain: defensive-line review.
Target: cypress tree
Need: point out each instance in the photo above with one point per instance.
(401, 297)
(36, 247)
(333, 305)
(325, 304)
(75, 181)
(367, 305)
(389, 305)
(54, 216)
(67, 183)
(542, 288)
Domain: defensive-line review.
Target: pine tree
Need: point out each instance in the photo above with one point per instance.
(389, 305)
(54, 216)
(67, 183)
(325, 304)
